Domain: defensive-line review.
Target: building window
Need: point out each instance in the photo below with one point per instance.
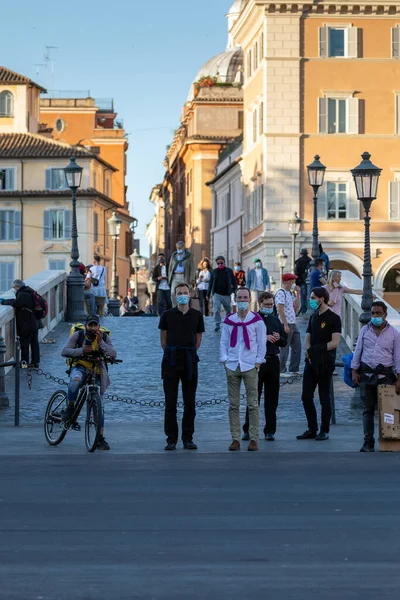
(7, 276)
(60, 125)
(57, 224)
(261, 46)
(55, 179)
(95, 180)
(95, 227)
(10, 225)
(255, 207)
(255, 57)
(57, 265)
(394, 200)
(254, 126)
(337, 203)
(261, 118)
(240, 119)
(107, 187)
(338, 115)
(338, 42)
(396, 42)
(7, 179)
(249, 59)
(6, 104)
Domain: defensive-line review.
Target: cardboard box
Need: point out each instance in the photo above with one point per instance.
(389, 418)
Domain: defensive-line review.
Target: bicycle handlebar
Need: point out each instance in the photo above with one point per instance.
(98, 359)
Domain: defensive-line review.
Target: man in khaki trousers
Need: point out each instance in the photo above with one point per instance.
(242, 351)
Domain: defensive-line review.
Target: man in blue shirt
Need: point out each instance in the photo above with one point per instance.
(317, 278)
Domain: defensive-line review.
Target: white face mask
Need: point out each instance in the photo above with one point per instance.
(336, 284)
(293, 287)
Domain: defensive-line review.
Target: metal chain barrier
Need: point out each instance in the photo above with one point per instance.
(152, 403)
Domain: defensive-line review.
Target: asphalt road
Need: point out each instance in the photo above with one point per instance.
(199, 526)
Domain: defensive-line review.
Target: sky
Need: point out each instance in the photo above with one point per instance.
(144, 54)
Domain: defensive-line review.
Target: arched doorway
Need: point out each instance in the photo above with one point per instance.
(342, 265)
(391, 285)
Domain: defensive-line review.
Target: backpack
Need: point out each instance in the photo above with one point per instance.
(81, 329)
(40, 305)
(347, 370)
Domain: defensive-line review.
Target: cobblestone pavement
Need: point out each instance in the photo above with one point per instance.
(137, 343)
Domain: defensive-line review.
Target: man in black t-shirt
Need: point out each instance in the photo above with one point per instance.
(322, 339)
(181, 330)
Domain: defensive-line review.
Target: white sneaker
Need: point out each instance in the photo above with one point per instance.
(295, 373)
(285, 375)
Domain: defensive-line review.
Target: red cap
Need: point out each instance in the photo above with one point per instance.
(288, 277)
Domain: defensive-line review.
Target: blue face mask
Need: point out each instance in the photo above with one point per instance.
(267, 311)
(243, 305)
(182, 299)
(258, 265)
(313, 304)
(237, 269)
(377, 321)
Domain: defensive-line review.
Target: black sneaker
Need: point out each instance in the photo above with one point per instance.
(170, 446)
(217, 328)
(307, 435)
(368, 446)
(270, 437)
(245, 437)
(189, 445)
(102, 444)
(322, 436)
(67, 414)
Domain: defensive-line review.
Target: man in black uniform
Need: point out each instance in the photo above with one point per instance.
(181, 332)
(269, 373)
(322, 339)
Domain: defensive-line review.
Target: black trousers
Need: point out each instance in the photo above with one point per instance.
(268, 378)
(171, 378)
(310, 381)
(203, 302)
(31, 340)
(369, 397)
(163, 301)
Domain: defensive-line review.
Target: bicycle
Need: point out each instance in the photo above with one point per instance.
(55, 429)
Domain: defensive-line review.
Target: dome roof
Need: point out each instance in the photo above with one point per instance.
(226, 67)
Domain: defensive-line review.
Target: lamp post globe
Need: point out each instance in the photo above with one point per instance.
(75, 284)
(282, 260)
(316, 175)
(114, 229)
(294, 230)
(366, 179)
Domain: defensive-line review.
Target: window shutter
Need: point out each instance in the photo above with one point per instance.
(321, 205)
(396, 42)
(46, 225)
(17, 225)
(9, 179)
(323, 115)
(67, 224)
(48, 179)
(352, 42)
(394, 209)
(261, 118)
(353, 202)
(323, 42)
(353, 118)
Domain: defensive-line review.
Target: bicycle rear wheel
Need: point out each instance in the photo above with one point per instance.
(54, 430)
(93, 422)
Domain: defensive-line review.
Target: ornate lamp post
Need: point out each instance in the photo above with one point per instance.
(75, 296)
(282, 260)
(132, 228)
(151, 286)
(135, 259)
(272, 284)
(316, 174)
(114, 229)
(294, 229)
(366, 179)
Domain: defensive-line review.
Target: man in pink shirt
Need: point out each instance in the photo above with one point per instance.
(376, 361)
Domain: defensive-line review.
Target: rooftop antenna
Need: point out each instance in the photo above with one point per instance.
(50, 62)
(37, 65)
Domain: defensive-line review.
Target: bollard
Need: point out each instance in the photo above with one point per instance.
(16, 369)
(4, 401)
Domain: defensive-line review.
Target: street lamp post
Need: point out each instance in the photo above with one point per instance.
(132, 228)
(294, 229)
(114, 228)
(272, 284)
(135, 258)
(151, 287)
(316, 174)
(282, 260)
(366, 179)
(75, 292)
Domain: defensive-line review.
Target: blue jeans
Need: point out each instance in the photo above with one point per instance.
(303, 296)
(92, 302)
(163, 300)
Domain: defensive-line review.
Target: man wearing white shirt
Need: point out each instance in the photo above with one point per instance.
(242, 351)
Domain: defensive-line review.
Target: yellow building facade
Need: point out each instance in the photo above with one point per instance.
(321, 78)
(35, 205)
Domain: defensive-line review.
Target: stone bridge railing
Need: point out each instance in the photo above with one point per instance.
(351, 310)
(49, 284)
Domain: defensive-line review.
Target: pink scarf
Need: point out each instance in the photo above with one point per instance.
(235, 325)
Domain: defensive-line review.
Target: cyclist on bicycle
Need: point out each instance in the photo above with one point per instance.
(92, 344)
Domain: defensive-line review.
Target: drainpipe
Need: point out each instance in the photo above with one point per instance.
(22, 220)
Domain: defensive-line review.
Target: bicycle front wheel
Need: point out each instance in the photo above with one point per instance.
(93, 422)
(54, 430)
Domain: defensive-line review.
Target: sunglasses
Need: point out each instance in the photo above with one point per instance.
(220, 263)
